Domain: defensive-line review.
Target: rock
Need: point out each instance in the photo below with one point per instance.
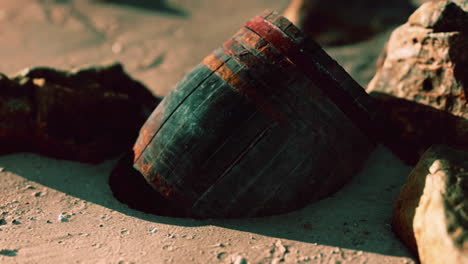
(440, 16)
(431, 212)
(426, 62)
(426, 59)
(409, 128)
(87, 115)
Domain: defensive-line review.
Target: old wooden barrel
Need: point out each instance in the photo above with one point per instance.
(264, 125)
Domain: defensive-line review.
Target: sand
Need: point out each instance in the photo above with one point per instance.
(55, 211)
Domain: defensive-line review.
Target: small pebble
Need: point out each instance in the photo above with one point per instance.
(49, 222)
(154, 230)
(37, 194)
(62, 218)
(3, 222)
(240, 260)
(15, 222)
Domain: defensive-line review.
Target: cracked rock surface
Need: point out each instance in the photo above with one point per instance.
(426, 62)
(426, 59)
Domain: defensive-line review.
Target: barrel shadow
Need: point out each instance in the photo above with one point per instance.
(160, 6)
(356, 217)
(88, 182)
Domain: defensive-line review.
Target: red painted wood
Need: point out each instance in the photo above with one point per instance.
(322, 69)
(263, 114)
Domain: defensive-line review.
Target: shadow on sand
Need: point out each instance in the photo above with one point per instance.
(160, 6)
(357, 217)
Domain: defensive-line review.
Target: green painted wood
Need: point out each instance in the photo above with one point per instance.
(183, 89)
(251, 133)
(196, 130)
(330, 68)
(320, 67)
(251, 186)
(310, 104)
(188, 127)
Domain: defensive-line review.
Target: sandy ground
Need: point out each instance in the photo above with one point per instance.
(54, 211)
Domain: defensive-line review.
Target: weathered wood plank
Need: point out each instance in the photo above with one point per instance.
(307, 101)
(350, 97)
(257, 122)
(167, 107)
(230, 149)
(177, 97)
(251, 194)
(181, 132)
(237, 176)
(216, 127)
(288, 161)
(333, 70)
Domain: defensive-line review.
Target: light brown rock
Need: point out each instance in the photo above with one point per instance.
(425, 65)
(426, 59)
(431, 212)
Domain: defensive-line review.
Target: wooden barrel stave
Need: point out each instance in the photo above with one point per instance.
(175, 142)
(240, 177)
(285, 163)
(245, 194)
(276, 97)
(230, 150)
(177, 96)
(250, 89)
(238, 163)
(223, 126)
(194, 132)
(308, 179)
(355, 145)
(167, 107)
(323, 71)
(220, 198)
(314, 52)
(180, 134)
(314, 108)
